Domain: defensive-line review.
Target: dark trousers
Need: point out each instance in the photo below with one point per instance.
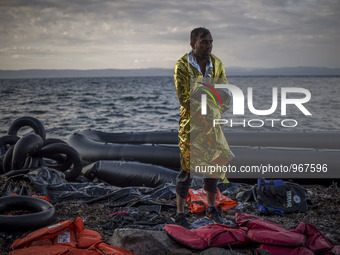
(183, 182)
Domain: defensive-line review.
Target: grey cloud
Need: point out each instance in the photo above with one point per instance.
(160, 29)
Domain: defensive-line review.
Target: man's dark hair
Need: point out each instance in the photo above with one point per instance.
(198, 32)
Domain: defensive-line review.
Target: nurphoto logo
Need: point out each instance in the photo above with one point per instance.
(238, 97)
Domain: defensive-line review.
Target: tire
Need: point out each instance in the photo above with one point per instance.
(42, 213)
(35, 124)
(53, 151)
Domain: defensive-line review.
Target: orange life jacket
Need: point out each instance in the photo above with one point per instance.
(197, 200)
(46, 198)
(67, 237)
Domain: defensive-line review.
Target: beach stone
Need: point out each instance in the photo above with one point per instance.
(145, 242)
(218, 251)
(181, 251)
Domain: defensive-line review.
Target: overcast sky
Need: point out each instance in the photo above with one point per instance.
(124, 34)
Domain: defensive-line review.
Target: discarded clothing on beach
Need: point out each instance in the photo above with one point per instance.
(45, 181)
(315, 243)
(67, 237)
(207, 221)
(49, 182)
(271, 237)
(212, 235)
(197, 200)
(276, 197)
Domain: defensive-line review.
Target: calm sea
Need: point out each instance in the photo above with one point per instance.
(130, 104)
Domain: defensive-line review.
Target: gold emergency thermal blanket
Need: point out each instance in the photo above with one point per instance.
(201, 144)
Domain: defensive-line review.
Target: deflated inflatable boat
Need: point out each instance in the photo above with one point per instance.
(254, 151)
(317, 140)
(123, 174)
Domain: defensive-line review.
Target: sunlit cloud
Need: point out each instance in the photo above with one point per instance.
(61, 34)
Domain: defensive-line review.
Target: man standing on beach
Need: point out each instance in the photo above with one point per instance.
(198, 63)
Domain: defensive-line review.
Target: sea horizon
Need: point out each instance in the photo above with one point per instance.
(297, 71)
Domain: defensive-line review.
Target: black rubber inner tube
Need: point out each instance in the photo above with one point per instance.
(24, 148)
(25, 121)
(8, 140)
(41, 213)
(7, 160)
(48, 141)
(5, 143)
(57, 161)
(52, 151)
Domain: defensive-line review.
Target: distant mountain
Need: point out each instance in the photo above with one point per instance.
(231, 71)
(37, 73)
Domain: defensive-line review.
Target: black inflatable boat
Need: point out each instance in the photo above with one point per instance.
(253, 150)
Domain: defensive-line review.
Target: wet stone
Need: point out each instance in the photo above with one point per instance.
(220, 251)
(144, 242)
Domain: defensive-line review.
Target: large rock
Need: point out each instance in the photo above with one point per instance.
(146, 242)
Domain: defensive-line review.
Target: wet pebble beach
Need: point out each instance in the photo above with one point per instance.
(323, 213)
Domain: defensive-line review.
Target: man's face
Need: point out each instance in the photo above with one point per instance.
(203, 46)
